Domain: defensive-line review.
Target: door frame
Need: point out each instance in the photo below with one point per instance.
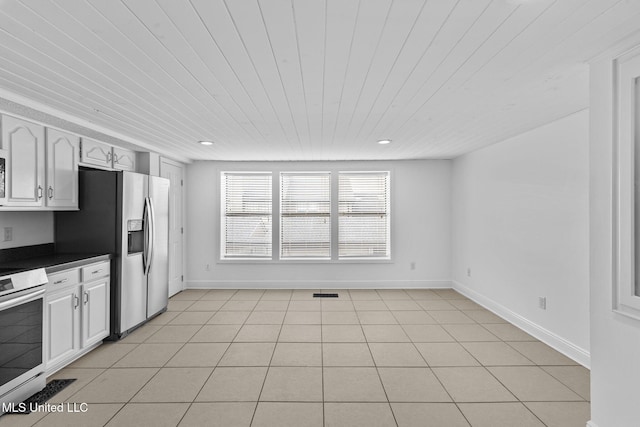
(181, 166)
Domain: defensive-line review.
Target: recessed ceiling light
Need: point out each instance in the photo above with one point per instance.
(384, 141)
(206, 142)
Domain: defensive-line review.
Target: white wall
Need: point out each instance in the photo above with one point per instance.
(615, 339)
(521, 226)
(420, 221)
(29, 228)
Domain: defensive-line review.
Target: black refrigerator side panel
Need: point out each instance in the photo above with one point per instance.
(96, 227)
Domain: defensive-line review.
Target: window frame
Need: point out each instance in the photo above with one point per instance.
(223, 218)
(626, 166)
(321, 167)
(387, 214)
(281, 256)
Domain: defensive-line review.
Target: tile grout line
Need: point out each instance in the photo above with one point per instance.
(266, 375)
(375, 364)
(159, 369)
(215, 367)
(322, 361)
(434, 374)
(153, 376)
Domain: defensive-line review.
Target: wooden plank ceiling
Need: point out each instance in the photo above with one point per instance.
(307, 79)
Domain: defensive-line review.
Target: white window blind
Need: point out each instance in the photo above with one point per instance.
(363, 209)
(246, 215)
(305, 215)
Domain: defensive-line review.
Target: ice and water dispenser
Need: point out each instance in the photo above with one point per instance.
(135, 231)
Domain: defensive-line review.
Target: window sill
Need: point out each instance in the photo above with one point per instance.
(306, 261)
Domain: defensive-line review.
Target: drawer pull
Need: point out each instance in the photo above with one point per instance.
(57, 282)
(95, 272)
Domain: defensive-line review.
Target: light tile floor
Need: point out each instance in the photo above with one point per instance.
(281, 358)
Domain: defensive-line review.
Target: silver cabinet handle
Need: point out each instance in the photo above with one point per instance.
(109, 157)
(76, 301)
(57, 282)
(115, 158)
(50, 192)
(95, 272)
(86, 298)
(39, 191)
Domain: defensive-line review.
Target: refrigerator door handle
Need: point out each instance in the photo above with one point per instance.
(147, 225)
(152, 233)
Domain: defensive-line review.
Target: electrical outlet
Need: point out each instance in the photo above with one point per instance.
(468, 272)
(542, 303)
(413, 265)
(8, 234)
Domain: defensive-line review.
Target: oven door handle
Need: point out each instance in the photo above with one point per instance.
(12, 302)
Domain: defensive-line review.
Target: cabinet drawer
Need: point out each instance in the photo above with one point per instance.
(63, 279)
(95, 271)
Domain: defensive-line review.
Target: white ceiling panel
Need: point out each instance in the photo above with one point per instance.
(305, 80)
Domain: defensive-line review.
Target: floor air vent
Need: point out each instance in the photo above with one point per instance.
(325, 295)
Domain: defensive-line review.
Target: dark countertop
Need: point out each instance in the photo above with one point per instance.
(52, 262)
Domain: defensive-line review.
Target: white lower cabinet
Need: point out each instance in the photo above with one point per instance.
(76, 315)
(63, 326)
(95, 312)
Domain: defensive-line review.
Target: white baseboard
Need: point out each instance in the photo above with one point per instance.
(591, 424)
(317, 284)
(565, 347)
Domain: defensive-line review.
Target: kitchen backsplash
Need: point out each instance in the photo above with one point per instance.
(25, 228)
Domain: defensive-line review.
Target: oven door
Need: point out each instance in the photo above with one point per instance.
(21, 349)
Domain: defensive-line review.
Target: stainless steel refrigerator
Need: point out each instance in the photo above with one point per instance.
(125, 214)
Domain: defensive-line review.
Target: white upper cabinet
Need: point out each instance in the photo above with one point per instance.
(104, 156)
(62, 169)
(96, 153)
(124, 159)
(24, 142)
(40, 165)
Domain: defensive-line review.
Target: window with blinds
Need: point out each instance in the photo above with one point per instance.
(246, 215)
(305, 215)
(363, 215)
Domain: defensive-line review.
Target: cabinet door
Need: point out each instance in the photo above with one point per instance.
(62, 310)
(124, 159)
(96, 153)
(24, 142)
(95, 311)
(62, 169)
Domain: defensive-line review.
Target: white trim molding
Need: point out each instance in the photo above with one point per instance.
(626, 295)
(318, 284)
(591, 424)
(564, 346)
